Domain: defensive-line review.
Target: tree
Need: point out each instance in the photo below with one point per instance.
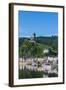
(30, 50)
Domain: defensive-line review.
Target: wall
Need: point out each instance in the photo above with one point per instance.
(4, 44)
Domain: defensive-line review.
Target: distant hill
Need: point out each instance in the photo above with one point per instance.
(41, 43)
(21, 40)
(50, 41)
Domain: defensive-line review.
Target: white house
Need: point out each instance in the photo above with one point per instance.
(20, 59)
(45, 51)
(50, 58)
(46, 67)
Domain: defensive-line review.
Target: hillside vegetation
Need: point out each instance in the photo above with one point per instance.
(35, 49)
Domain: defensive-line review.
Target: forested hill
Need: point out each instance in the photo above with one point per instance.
(50, 41)
(37, 45)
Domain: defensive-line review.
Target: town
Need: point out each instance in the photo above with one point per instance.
(48, 65)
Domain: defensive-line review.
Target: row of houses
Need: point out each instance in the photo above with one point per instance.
(46, 64)
(39, 59)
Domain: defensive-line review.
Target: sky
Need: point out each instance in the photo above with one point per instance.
(41, 23)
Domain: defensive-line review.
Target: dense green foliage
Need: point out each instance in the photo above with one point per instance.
(34, 74)
(29, 49)
(30, 74)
